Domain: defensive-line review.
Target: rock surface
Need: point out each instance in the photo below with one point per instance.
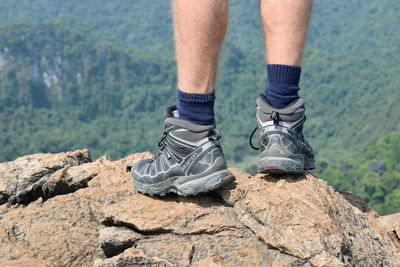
(65, 210)
(24, 180)
(392, 226)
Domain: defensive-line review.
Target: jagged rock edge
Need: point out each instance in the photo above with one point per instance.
(12, 200)
(67, 189)
(41, 190)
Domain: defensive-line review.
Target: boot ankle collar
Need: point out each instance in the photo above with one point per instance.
(190, 126)
(265, 107)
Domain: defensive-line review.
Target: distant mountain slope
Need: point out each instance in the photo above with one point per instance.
(47, 68)
(359, 44)
(60, 91)
(358, 26)
(364, 27)
(346, 108)
(140, 23)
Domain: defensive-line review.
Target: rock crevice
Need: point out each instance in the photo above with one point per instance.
(109, 222)
(27, 178)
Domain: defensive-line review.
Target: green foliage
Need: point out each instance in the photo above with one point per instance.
(373, 174)
(60, 92)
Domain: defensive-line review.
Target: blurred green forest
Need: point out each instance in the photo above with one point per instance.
(98, 74)
(373, 174)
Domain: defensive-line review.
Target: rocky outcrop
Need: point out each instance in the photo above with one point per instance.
(27, 178)
(392, 226)
(65, 210)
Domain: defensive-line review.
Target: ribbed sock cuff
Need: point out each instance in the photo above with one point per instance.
(197, 108)
(283, 74)
(193, 99)
(283, 84)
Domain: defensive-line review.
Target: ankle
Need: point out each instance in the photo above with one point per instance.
(197, 108)
(283, 84)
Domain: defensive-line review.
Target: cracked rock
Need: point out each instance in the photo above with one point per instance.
(227, 248)
(21, 180)
(76, 212)
(392, 226)
(114, 240)
(304, 217)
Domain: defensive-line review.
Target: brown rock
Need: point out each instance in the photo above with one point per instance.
(84, 213)
(114, 240)
(226, 248)
(358, 202)
(397, 230)
(62, 230)
(21, 179)
(392, 225)
(390, 221)
(304, 217)
(26, 262)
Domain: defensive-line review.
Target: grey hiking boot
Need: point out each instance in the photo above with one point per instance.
(283, 148)
(190, 160)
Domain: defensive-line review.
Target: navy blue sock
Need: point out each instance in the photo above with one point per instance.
(283, 84)
(197, 108)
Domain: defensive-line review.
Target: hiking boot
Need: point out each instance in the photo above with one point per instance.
(282, 146)
(190, 160)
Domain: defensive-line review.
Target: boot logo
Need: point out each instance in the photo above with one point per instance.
(190, 160)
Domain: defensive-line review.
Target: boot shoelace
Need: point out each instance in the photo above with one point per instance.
(275, 117)
(251, 142)
(161, 144)
(213, 135)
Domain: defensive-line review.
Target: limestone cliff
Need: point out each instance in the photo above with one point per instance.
(65, 210)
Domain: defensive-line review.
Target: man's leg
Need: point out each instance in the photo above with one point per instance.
(200, 27)
(285, 27)
(191, 159)
(280, 113)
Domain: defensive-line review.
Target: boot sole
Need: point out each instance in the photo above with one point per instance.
(187, 185)
(280, 165)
